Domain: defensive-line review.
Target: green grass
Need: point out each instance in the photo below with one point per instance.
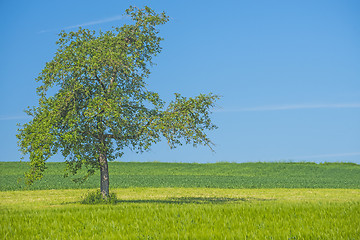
(187, 201)
(218, 175)
(183, 213)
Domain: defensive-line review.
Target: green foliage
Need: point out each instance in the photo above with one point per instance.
(178, 214)
(96, 197)
(218, 175)
(102, 104)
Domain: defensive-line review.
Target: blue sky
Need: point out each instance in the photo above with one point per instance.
(288, 72)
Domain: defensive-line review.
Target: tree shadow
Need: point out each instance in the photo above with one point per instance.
(194, 200)
(183, 200)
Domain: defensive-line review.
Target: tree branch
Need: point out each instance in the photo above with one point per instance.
(133, 136)
(204, 139)
(110, 85)
(100, 82)
(106, 135)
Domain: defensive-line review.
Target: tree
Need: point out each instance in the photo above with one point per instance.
(101, 104)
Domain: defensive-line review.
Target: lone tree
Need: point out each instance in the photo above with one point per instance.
(102, 105)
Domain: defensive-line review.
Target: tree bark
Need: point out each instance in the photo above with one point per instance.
(104, 175)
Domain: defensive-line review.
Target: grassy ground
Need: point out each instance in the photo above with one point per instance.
(183, 213)
(219, 175)
(187, 201)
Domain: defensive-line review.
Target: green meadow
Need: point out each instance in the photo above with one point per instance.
(187, 201)
(216, 175)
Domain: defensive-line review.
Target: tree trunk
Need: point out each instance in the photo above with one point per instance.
(104, 175)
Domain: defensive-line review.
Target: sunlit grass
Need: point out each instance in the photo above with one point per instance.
(183, 213)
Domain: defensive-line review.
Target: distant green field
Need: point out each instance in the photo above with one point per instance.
(189, 175)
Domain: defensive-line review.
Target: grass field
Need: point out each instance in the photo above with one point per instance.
(188, 201)
(183, 213)
(218, 175)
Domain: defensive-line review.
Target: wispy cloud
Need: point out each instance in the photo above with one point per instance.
(111, 19)
(5, 118)
(328, 155)
(291, 107)
(91, 23)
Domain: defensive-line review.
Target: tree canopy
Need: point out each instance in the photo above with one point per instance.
(102, 106)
